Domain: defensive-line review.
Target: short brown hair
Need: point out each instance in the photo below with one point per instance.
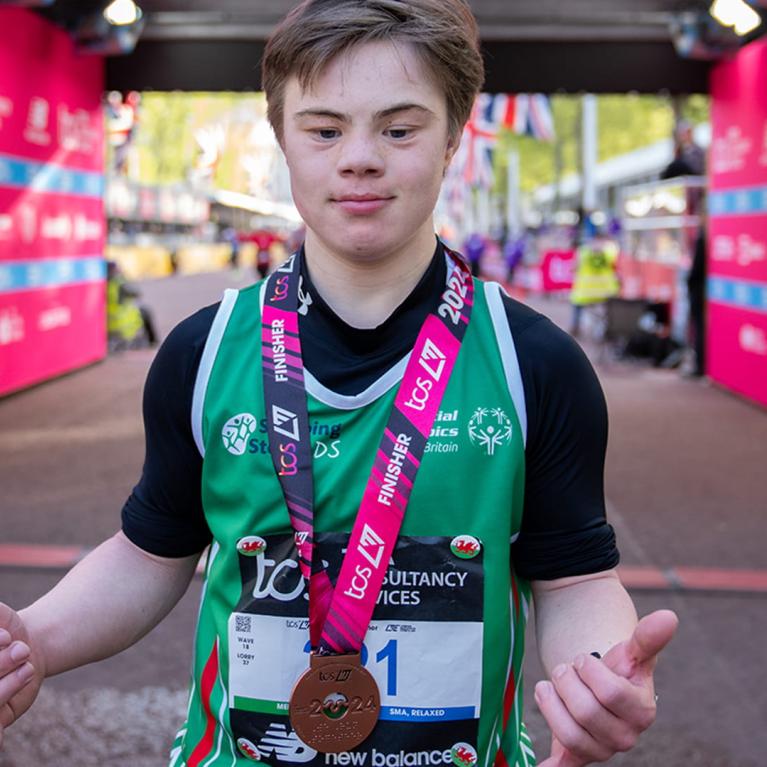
(443, 32)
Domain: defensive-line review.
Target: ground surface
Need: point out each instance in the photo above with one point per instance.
(685, 488)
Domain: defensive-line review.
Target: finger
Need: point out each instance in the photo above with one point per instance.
(561, 757)
(633, 703)
(651, 635)
(11, 683)
(566, 759)
(589, 711)
(12, 657)
(5, 639)
(565, 729)
(7, 717)
(554, 761)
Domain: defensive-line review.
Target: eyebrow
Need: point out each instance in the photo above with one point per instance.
(342, 117)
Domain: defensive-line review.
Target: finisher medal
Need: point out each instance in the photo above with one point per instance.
(336, 703)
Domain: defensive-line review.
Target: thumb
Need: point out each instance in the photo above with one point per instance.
(649, 637)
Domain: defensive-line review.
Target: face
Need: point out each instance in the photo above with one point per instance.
(367, 148)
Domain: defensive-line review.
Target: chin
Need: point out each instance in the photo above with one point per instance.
(358, 245)
(364, 250)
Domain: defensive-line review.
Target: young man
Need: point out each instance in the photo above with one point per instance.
(381, 436)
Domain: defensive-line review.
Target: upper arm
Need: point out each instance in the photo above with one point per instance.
(164, 514)
(564, 531)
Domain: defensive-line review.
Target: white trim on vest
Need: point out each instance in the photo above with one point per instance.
(494, 296)
(377, 389)
(209, 353)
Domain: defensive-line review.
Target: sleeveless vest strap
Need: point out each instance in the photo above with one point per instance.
(206, 364)
(494, 295)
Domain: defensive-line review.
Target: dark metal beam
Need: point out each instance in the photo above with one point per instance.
(512, 67)
(605, 67)
(187, 66)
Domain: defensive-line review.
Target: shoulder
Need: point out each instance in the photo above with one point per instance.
(179, 355)
(559, 383)
(544, 350)
(193, 330)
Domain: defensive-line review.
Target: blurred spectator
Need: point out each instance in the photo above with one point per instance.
(264, 239)
(696, 291)
(129, 324)
(229, 235)
(513, 253)
(689, 158)
(595, 278)
(474, 248)
(121, 125)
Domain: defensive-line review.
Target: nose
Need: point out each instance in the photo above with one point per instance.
(360, 156)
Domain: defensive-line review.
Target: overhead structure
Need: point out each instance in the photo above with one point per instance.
(599, 46)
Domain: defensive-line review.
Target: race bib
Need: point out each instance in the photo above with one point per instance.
(423, 646)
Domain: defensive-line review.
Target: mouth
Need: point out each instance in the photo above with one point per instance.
(361, 204)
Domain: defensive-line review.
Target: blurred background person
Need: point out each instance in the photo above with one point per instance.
(129, 323)
(696, 293)
(596, 278)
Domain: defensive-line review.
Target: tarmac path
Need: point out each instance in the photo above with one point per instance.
(685, 488)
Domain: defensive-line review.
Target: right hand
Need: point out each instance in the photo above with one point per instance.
(21, 668)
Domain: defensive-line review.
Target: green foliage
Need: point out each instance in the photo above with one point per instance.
(625, 122)
(632, 121)
(697, 109)
(165, 139)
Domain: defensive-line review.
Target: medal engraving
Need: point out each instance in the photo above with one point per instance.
(335, 704)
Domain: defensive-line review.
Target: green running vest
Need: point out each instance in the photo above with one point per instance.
(447, 637)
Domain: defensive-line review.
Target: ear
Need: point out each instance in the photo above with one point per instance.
(450, 149)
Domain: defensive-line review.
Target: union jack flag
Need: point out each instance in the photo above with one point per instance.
(479, 138)
(524, 113)
(533, 117)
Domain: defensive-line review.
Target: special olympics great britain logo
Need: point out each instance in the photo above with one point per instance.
(489, 428)
(236, 432)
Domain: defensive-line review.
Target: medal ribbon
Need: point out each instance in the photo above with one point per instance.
(339, 617)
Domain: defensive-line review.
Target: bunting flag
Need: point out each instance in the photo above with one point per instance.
(540, 120)
(479, 137)
(523, 113)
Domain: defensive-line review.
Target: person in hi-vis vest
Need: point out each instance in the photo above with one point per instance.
(595, 278)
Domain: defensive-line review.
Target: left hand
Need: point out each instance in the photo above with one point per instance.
(596, 708)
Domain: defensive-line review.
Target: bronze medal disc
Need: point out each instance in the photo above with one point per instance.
(335, 704)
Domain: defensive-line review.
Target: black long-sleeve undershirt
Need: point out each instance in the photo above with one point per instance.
(564, 530)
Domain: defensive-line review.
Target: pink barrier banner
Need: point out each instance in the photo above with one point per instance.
(52, 313)
(737, 235)
(49, 223)
(50, 97)
(558, 270)
(744, 369)
(738, 246)
(738, 110)
(34, 329)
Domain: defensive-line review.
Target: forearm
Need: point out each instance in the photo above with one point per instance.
(581, 615)
(106, 603)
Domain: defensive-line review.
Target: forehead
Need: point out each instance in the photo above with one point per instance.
(369, 75)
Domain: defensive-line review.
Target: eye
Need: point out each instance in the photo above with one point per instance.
(399, 133)
(327, 134)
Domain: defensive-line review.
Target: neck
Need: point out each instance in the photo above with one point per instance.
(363, 292)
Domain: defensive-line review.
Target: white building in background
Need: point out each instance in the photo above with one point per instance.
(644, 164)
